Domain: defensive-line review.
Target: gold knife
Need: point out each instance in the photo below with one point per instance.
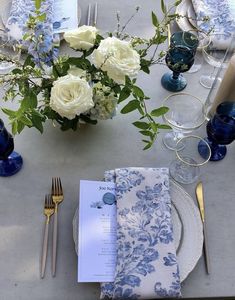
(200, 200)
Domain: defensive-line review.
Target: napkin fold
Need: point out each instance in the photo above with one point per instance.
(222, 19)
(146, 265)
(19, 14)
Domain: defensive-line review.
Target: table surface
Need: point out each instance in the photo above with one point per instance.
(86, 154)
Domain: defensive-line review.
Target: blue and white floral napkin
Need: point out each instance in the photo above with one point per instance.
(19, 13)
(146, 258)
(222, 19)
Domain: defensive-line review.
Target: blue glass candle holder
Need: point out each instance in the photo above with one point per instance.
(220, 131)
(10, 161)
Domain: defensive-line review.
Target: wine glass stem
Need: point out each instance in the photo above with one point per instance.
(175, 75)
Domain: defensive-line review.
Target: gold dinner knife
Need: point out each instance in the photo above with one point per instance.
(200, 200)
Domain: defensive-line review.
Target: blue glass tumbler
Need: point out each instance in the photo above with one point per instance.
(220, 131)
(10, 161)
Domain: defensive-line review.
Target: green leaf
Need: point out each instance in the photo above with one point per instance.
(154, 127)
(26, 121)
(20, 126)
(154, 19)
(146, 132)
(16, 71)
(9, 112)
(164, 126)
(38, 4)
(132, 105)
(37, 122)
(163, 6)
(14, 127)
(79, 62)
(29, 101)
(137, 91)
(177, 2)
(147, 146)
(159, 111)
(145, 69)
(141, 125)
(125, 93)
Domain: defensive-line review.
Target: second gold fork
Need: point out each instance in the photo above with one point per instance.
(57, 197)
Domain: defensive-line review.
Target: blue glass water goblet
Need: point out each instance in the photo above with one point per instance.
(10, 161)
(220, 131)
(179, 59)
(188, 39)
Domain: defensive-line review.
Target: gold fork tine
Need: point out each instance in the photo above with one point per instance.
(48, 212)
(60, 187)
(57, 197)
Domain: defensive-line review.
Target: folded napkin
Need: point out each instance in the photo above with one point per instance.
(19, 13)
(222, 19)
(146, 265)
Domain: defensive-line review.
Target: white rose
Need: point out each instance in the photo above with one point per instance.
(118, 58)
(71, 96)
(82, 38)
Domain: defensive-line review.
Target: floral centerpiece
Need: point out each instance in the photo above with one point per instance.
(89, 86)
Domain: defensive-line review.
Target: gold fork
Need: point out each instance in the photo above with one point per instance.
(49, 209)
(57, 197)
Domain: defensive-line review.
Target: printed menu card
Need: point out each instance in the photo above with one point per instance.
(97, 231)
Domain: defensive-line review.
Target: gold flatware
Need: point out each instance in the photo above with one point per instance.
(49, 209)
(57, 197)
(200, 200)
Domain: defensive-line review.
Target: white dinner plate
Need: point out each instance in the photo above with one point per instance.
(182, 9)
(187, 227)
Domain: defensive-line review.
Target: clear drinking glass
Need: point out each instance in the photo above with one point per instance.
(215, 57)
(186, 113)
(186, 168)
(204, 40)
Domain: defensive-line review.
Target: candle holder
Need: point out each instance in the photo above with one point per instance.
(10, 161)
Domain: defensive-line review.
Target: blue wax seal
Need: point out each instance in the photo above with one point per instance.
(109, 198)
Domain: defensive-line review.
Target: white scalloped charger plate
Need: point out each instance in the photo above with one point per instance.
(187, 226)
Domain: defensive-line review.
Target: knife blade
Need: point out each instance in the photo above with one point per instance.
(200, 200)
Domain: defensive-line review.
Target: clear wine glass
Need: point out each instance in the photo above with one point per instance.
(186, 168)
(204, 40)
(215, 57)
(186, 113)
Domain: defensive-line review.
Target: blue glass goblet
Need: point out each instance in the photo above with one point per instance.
(10, 161)
(220, 131)
(178, 59)
(185, 38)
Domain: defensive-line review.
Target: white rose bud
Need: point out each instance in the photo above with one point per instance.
(71, 96)
(118, 58)
(82, 38)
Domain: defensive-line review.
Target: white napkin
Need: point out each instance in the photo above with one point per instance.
(222, 18)
(146, 259)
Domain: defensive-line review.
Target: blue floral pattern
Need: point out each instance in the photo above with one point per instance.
(146, 260)
(44, 48)
(222, 19)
